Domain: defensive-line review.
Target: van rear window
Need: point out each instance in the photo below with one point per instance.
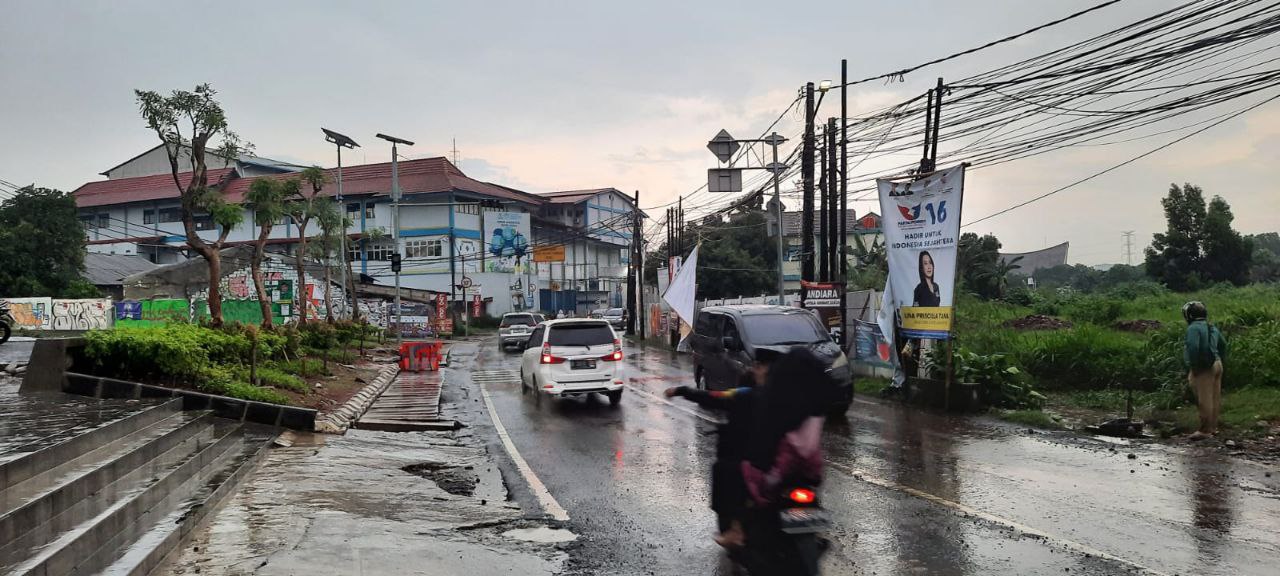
(585, 334)
(780, 329)
(526, 319)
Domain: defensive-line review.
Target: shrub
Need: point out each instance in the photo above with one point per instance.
(1098, 310)
(302, 367)
(169, 352)
(1023, 296)
(222, 380)
(318, 335)
(1084, 357)
(1002, 383)
(277, 378)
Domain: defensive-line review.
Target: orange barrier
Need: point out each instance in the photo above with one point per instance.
(420, 356)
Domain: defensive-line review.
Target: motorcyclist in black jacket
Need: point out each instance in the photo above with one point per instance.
(728, 492)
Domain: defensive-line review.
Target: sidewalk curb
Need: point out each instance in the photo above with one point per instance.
(339, 420)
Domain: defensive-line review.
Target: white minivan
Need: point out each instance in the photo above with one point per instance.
(572, 357)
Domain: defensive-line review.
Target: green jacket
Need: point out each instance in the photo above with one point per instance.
(1205, 344)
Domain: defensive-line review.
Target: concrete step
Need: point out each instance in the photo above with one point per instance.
(45, 446)
(141, 548)
(27, 505)
(87, 536)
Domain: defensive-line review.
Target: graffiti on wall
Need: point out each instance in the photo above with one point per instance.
(87, 314)
(31, 313)
(147, 313)
(374, 312)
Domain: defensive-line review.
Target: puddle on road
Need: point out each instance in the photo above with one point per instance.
(456, 480)
(541, 535)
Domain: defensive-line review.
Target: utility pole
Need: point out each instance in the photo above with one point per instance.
(823, 270)
(834, 215)
(1128, 247)
(806, 178)
(680, 226)
(844, 202)
(632, 272)
(776, 168)
(395, 214)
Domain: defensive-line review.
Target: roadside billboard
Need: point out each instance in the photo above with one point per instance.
(921, 225)
(552, 253)
(824, 299)
(507, 248)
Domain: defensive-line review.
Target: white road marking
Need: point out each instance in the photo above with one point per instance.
(954, 506)
(545, 499)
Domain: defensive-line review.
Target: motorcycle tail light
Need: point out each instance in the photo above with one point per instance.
(802, 496)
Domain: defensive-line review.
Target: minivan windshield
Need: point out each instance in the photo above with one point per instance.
(514, 319)
(775, 329)
(583, 334)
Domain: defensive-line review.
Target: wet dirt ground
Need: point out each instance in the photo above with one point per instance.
(910, 491)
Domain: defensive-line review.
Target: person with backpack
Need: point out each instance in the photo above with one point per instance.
(1203, 354)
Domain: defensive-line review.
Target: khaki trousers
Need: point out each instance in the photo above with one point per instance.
(1207, 384)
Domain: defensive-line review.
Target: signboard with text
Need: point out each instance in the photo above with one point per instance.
(921, 225)
(552, 253)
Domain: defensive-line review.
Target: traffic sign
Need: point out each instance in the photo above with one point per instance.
(723, 146)
(466, 281)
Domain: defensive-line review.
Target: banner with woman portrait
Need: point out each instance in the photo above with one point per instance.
(921, 225)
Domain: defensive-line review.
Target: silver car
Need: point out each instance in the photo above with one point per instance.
(617, 317)
(515, 328)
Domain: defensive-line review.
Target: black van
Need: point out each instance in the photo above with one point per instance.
(725, 340)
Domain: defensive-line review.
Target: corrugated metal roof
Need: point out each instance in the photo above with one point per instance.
(111, 269)
(140, 189)
(422, 176)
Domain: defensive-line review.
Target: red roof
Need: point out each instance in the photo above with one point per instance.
(422, 176)
(140, 189)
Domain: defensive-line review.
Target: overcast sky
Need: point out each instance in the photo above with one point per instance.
(548, 96)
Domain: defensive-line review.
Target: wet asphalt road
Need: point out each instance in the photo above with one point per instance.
(911, 492)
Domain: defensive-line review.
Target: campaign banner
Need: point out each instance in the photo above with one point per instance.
(870, 346)
(921, 225)
(824, 299)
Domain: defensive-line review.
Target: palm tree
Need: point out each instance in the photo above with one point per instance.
(997, 274)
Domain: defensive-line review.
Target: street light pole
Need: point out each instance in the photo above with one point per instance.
(395, 214)
(341, 142)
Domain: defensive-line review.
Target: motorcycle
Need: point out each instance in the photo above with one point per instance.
(6, 322)
(787, 537)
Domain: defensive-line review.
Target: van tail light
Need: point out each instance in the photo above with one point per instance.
(547, 358)
(616, 355)
(802, 496)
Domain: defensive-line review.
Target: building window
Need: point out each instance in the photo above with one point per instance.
(171, 214)
(89, 222)
(380, 251)
(148, 216)
(424, 248)
(353, 253)
(204, 222)
(467, 208)
(368, 211)
(353, 211)
(104, 220)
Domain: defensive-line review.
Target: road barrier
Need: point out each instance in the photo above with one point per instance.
(420, 356)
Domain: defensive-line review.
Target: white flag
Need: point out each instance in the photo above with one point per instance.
(680, 294)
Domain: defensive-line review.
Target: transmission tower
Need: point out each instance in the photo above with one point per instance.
(455, 153)
(1128, 247)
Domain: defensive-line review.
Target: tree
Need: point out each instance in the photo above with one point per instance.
(996, 277)
(1198, 245)
(267, 197)
(301, 208)
(42, 245)
(332, 225)
(202, 117)
(870, 264)
(978, 264)
(737, 256)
